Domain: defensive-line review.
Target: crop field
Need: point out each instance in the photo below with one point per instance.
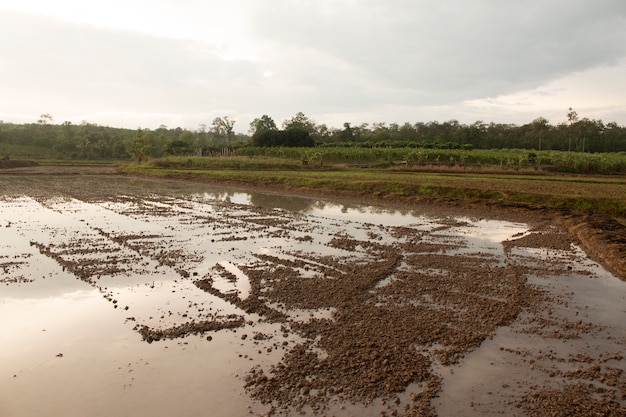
(508, 159)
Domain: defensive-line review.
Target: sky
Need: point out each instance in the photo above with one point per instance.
(182, 63)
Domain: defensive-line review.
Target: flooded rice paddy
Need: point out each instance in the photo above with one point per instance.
(146, 298)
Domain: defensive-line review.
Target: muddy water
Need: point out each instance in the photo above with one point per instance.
(158, 299)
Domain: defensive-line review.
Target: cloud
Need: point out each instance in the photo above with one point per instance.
(598, 92)
(443, 51)
(189, 61)
(68, 65)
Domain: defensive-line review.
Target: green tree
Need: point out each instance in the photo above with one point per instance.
(223, 127)
(178, 147)
(288, 138)
(347, 134)
(299, 122)
(262, 124)
(138, 147)
(183, 144)
(187, 136)
(202, 135)
(589, 131)
(572, 118)
(45, 119)
(407, 132)
(540, 126)
(323, 132)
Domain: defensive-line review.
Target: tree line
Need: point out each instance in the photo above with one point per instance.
(92, 141)
(45, 139)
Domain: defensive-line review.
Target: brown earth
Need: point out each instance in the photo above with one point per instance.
(15, 163)
(600, 235)
(385, 343)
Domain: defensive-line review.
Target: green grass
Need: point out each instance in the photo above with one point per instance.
(606, 194)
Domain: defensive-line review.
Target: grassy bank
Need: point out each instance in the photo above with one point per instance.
(605, 194)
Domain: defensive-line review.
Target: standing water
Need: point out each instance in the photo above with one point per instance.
(146, 298)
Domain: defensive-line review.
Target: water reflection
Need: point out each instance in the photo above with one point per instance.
(297, 204)
(104, 263)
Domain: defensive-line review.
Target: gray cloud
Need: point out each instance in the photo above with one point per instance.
(137, 71)
(350, 60)
(443, 50)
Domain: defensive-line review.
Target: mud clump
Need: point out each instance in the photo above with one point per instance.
(7, 163)
(152, 335)
(573, 400)
(351, 312)
(381, 339)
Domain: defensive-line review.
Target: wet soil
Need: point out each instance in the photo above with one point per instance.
(7, 163)
(360, 318)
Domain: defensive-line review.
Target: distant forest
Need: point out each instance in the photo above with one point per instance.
(46, 139)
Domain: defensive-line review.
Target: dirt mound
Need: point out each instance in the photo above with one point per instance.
(16, 163)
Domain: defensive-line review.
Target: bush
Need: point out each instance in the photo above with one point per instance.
(287, 138)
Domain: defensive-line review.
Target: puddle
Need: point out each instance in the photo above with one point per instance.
(232, 286)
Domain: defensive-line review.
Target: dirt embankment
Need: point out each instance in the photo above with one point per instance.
(603, 238)
(14, 163)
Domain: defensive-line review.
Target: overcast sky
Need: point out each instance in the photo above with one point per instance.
(181, 63)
